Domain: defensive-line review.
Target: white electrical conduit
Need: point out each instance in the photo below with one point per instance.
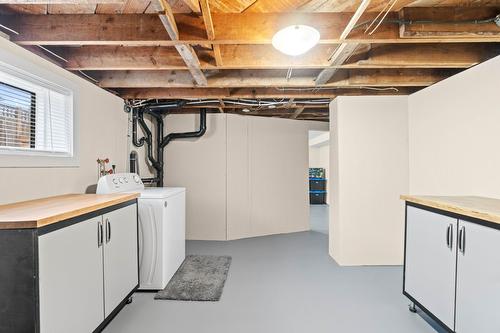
(383, 18)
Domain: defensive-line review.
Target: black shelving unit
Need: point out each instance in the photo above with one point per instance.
(317, 186)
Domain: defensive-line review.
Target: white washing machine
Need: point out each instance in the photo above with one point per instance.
(162, 227)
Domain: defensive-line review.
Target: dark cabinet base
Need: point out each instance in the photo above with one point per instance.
(18, 281)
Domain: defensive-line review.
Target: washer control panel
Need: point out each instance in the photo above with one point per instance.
(119, 182)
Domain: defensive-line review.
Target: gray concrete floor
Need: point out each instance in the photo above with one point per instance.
(283, 283)
(318, 218)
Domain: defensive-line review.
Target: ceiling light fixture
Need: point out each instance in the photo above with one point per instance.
(295, 39)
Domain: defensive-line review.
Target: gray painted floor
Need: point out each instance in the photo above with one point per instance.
(318, 218)
(283, 283)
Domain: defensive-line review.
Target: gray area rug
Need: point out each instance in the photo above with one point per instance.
(199, 278)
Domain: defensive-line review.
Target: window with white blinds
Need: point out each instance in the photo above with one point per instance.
(35, 117)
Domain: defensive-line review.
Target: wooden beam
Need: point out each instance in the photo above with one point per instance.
(60, 2)
(193, 5)
(297, 112)
(266, 57)
(189, 55)
(448, 30)
(207, 19)
(209, 25)
(167, 19)
(246, 28)
(270, 78)
(186, 51)
(121, 57)
(220, 93)
(341, 55)
(344, 50)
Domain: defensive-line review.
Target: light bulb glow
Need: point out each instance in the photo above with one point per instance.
(295, 39)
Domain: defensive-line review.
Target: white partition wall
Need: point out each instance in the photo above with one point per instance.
(454, 134)
(267, 175)
(246, 177)
(368, 172)
(199, 165)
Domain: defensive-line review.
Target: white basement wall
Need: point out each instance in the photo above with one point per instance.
(455, 134)
(368, 172)
(267, 175)
(102, 132)
(247, 176)
(199, 164)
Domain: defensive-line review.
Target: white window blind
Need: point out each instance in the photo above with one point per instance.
(35, 117)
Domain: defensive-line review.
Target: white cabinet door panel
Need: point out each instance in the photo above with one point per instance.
(430, 263)
(70, 271)
(120, 255)
(478, 280)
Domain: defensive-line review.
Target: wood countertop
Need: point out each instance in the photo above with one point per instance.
(487, 209)
(41, 212)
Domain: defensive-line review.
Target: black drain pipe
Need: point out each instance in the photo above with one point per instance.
(174, 136)
(157, 111)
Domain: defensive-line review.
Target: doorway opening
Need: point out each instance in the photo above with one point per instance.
(319, 165)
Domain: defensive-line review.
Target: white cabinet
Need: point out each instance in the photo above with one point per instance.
(430, 262)
(120, 255)
(452, 270)
(70, 278)
(478, 279)
(86, 269)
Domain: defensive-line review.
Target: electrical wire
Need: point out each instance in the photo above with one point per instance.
(383, 18)
(403, 21)
(52, 53)
(378, 15)
(9, 29)
(337, 88)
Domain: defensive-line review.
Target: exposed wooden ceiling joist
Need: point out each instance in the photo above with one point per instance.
(152, 53)
(58, 2)
(269, 78)
(209, 25)
(274, 92)
(429, 30)
(266, 57)
(344, 50)
(246, 28)
(186, 51)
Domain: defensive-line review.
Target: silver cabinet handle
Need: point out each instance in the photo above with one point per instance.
(461, 240)
(108, 231)
(99, 234)
(449, 236)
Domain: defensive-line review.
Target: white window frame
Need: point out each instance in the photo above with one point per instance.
(33, 73)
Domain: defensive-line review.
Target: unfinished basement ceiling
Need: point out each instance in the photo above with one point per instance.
(220, 50)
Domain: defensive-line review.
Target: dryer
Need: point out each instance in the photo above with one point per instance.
(162, 228)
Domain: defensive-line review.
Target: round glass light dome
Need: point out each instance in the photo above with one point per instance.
(295, 39)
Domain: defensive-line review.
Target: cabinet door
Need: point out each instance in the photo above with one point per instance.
(431, 261)
(70, 272)
(120, 256)
(478, 280)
